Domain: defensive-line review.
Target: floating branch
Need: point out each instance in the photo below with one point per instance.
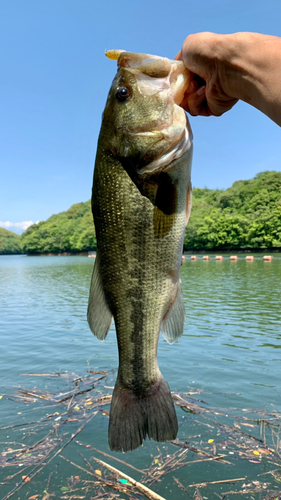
(140, 487)
(72, 401)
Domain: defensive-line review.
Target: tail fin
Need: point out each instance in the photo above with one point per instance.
(132, 418)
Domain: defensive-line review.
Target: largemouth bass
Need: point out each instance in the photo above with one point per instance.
(141, 202)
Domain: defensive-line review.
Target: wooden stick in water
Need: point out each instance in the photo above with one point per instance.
(217, 482)
(143, 489)
(78, 466)
(109, 456)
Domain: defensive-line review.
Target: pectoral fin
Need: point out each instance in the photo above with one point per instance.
(173, 322)
(188, 203)
(99, 316)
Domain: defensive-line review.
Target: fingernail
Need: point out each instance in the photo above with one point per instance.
(201, 91)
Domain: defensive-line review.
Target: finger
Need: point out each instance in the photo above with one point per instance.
(189, 96)
(178, 56)
(196, 103)
(192, 87)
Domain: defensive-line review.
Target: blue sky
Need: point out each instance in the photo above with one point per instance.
(55, 79)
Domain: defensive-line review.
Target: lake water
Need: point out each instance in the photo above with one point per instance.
(229, 357)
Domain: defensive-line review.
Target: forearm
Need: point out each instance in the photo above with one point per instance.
(250, 70)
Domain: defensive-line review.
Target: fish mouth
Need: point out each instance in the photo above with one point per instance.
(155, 75)
(179, 146)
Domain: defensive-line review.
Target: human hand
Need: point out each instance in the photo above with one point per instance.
(209, 91)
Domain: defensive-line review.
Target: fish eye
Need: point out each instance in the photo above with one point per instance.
(122, 94)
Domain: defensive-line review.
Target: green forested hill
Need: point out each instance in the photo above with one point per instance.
(9, 242)
(248, 214)
(71, 231)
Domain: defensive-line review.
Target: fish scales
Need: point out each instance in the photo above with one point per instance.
(140, 219)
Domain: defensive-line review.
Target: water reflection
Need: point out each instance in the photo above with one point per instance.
(229, 347)
(231, 337)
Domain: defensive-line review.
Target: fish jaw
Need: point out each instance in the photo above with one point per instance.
(181, 143)
(149, 130)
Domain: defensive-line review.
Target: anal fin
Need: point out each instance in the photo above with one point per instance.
(173, 322)
(99, 315)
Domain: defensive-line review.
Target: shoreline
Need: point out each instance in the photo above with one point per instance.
(58, 254)
(92, 253)
(233, 250)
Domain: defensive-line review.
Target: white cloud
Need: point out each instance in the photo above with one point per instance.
(18, 225)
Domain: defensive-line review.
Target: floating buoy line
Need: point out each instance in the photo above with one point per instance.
(235, 258)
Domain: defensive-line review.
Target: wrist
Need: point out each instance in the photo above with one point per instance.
(250, 70)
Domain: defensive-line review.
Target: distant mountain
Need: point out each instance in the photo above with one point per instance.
(70, 231)
(9, 242)
(247, 215)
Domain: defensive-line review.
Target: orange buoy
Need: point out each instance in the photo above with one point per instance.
(219, 257)
(183, 257)
(250, 258)
(267, 258)
(233, 257)
(193, 257)
(206, 257)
